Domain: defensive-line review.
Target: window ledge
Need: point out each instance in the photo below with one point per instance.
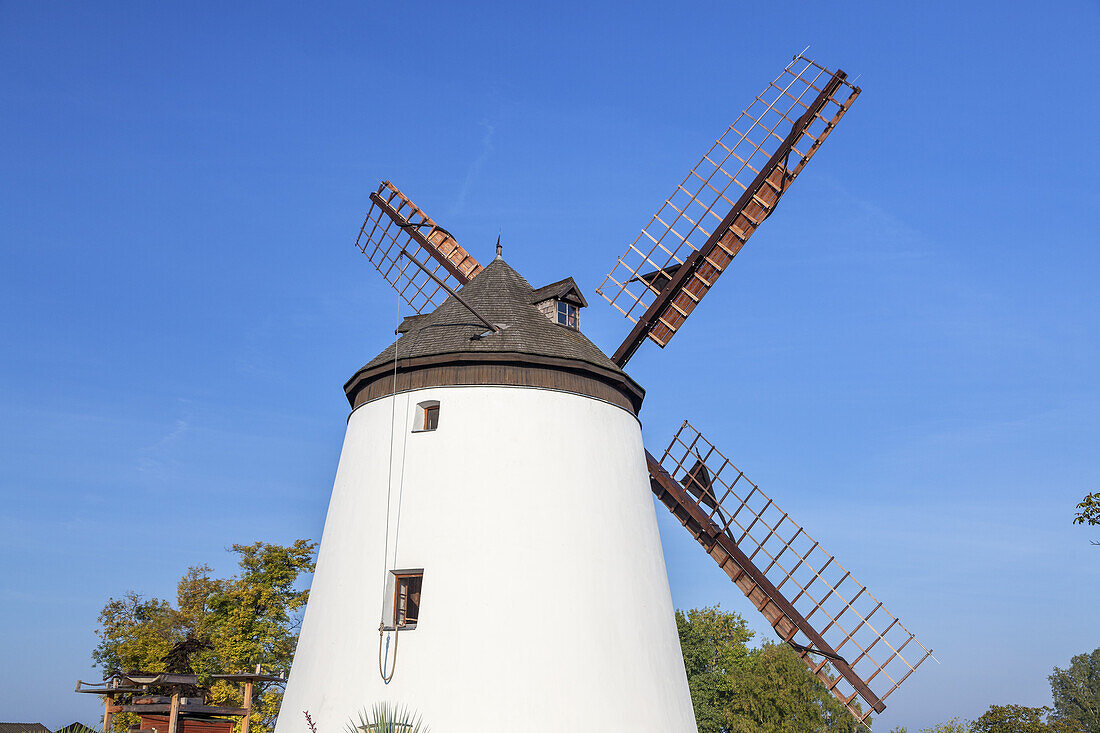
(406, 627)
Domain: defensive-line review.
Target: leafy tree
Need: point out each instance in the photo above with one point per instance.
(738, 689)
(783, 695)
(952, 726)
(1076, 692)
(218, 625)
(716, 654)
(1089, 511)
(1018, 719)
(135, 634)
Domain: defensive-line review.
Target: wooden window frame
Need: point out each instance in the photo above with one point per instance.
(431, 418)
(425, 412)
(402, 577)
(568, 315)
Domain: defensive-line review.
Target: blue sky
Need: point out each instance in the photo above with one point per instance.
(904, 357)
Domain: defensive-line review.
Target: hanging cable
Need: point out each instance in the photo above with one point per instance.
(396, 537)
(381, 664)
(386, 544)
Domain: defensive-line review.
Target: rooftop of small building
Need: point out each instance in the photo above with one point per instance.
(23, 728)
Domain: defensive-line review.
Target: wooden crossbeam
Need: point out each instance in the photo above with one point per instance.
(441, 246)
(769, 600)
(394, 225)
(755, 204)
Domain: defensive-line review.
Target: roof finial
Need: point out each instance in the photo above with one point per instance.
(499, 249)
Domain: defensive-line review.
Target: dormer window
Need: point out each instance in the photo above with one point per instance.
(561, 302)
(568, 314)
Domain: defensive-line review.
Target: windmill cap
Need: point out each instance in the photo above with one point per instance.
(527, 342)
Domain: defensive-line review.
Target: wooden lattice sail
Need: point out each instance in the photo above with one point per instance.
(737, 184)
(394, 224)
(843, 633)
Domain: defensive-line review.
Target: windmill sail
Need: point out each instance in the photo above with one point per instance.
(394, 223)
(737, 184)
(843, 633)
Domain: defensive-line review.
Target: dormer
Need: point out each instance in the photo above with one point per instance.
(561, 302)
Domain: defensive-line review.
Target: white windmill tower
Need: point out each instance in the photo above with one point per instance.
(491, 509)
(490, 555)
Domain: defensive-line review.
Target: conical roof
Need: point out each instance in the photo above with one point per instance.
(506, 299)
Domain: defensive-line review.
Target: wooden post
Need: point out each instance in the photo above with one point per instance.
(247, 706)
(174, 715)
(107, 715)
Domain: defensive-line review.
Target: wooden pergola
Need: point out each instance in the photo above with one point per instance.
(178, 708)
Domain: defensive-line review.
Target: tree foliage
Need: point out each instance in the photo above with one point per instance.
(951, 726)
(1076, 692)
(233, 623)
(739, 689)
(1019, 719)
(1008, 719)
(1088, 510)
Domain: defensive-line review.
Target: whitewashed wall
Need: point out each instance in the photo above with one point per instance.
(545, 604)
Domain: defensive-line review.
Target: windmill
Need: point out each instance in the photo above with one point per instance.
(493, 475)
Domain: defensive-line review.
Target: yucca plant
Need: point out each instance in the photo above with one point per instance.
(387, 718)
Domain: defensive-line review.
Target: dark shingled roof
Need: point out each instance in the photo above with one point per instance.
(503, 297)
(561, 289)
(76, 728)
(23, 728)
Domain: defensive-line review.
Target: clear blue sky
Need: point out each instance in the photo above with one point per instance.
(905, 356)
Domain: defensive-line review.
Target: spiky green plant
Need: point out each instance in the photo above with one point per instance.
(387, 718)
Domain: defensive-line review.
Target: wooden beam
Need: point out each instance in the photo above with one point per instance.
(174, 713)
(666, 487)
(187, 709)
(449, 289)
(649, 319)
(420, 239)
(247, 706)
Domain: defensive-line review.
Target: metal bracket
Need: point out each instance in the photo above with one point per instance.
(832, 656)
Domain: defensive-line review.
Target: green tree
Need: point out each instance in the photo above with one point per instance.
(952, 726)
(1088, 510)
(135, 634)
(1076, 692)
(738, 689)
(251, 618)
(781, 694)
(716, 655)
(1018, 719)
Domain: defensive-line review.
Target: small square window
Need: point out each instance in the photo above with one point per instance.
(406, 599)
(431, 417)
(427, 416)
(567, 314)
